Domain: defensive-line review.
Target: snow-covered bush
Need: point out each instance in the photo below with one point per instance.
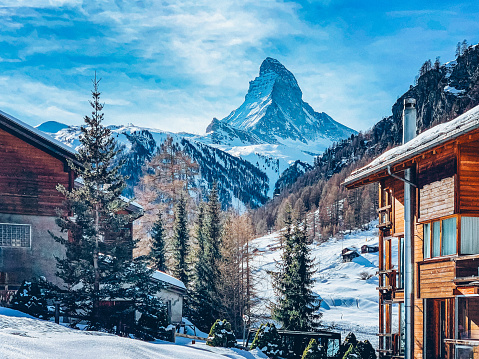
(268, 341)
(314, 351)
(354, 349)
(221, 335)
(31, 299)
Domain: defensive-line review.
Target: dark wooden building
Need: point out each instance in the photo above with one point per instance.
(32, 165)
(444, 163)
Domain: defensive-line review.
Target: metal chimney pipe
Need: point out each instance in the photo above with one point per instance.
(409, 132)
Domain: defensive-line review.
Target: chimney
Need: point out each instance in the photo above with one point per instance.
(409, 120)
(409, 132)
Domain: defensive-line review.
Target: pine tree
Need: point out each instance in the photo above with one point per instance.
(157, 251)
(98, 265)
(180, 241)
(297, 307)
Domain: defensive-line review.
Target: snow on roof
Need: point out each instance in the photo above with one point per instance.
(431, 138)
(39, 133)
(166, 278)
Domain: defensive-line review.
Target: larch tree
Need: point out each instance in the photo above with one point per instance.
(98, 265)
(236, 285)
(168, 174)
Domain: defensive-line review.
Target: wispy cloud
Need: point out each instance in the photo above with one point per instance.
(177, 64)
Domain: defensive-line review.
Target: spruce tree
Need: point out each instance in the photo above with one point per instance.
(157, 253)
(205, 296)
(98, 265)
(198, 295)
(180, 240)
(297, 307)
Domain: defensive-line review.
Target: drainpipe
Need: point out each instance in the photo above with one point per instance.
(409, 132)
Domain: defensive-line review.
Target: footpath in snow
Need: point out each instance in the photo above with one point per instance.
(349, 301)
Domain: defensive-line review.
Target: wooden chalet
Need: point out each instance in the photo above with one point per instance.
(33, 164)
(435, 178)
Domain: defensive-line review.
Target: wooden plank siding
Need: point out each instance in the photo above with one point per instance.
(436, 279)
(469, 178)
(28, 178)
(437, 199)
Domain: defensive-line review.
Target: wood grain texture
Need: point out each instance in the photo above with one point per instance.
(28, 178)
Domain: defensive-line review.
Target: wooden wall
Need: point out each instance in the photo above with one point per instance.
(28, 178)
(436, 279)
(437, 199)
(469, 177)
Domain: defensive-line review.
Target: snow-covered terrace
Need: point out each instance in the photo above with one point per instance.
(434, 137)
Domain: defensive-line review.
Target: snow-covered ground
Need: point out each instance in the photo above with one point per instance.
(23, 337)
(349, 303)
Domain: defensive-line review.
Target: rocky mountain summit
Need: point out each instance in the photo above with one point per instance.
(246, 152)
(274, 112)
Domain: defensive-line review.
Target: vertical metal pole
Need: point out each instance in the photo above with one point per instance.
(409, 132)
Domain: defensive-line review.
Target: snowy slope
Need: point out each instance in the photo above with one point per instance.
(24, 338)
(349, 303)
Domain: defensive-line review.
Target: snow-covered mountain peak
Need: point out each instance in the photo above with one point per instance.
(275, 112)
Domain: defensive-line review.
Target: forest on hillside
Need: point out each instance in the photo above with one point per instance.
(442, 92)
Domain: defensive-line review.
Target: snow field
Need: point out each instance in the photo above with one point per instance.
(349, 303)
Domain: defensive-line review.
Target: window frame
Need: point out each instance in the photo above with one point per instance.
(20, 246)
(440, 244)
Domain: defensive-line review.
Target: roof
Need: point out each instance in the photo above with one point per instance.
(39, 138)
(427, 140)
(166, 278)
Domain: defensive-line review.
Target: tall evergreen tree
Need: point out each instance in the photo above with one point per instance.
(297, 306)
(180, 240)
(157, 251)
(206, 303)
(198, 296)
(98, 265)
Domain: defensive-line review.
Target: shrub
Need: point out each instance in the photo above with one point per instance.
(221, 335)
(365, 275)
(30, 298)
(268, 341)
(314, 351)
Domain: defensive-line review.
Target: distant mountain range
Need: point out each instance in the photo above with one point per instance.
(247, 151)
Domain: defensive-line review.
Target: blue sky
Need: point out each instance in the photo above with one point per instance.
(175, 65)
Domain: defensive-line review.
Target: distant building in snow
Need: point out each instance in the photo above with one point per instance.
(172, 295)
(349, 254)
(366, 248)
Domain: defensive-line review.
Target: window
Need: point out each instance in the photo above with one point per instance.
(15, 235)
(436, 239)
(427, 240)
(469, 235)
(448, 244)
(440, 238)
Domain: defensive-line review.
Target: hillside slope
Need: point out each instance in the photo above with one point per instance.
(349, 303)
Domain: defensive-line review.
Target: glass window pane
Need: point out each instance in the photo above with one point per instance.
(436, 242)
(449, 236)
(469, 235)
(427, 240)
